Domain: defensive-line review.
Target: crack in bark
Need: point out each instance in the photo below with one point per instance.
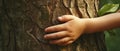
(12, 26)
(86, 8)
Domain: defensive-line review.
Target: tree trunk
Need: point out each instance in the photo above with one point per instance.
(23, 23)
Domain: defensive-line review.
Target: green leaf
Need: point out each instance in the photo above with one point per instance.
(108, 8)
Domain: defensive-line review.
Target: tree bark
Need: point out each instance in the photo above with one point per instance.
(23, 23)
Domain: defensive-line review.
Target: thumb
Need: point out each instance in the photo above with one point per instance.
(66, 18)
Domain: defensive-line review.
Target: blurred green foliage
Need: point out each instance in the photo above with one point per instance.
(108, 8)
(103, 2)
(112, 39)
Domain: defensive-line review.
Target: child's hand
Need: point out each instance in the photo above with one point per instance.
(74, 27)
(67, 32)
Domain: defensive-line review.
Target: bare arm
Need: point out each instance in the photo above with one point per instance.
(103, 23)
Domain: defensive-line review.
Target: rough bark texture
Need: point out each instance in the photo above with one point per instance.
(23, 22)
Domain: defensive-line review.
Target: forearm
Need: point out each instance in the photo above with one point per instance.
(103, 23)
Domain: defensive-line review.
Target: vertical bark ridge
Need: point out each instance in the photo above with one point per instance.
(11, 44)
(1, 15)
(96, 5)
(82, 8)
(90, 8)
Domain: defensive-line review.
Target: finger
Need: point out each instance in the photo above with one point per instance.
(56, 35)
(60, 41)
(66, 43)
(66, 18)
(55, 28)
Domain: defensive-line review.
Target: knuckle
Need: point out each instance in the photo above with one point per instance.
(65, 33)
(68, 26)
(63, 41)
(55, 27)
(58, 27)
(70, 34)
(57, 35)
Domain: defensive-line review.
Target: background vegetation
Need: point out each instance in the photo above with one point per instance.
(112, 39)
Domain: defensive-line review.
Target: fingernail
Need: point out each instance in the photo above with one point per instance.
(60, 18)
(45, 36)
(45, 29)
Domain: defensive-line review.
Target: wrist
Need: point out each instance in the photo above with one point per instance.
(89, 24)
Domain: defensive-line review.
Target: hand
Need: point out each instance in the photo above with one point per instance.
(67, 32)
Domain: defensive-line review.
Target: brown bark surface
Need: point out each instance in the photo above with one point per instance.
(23, 23)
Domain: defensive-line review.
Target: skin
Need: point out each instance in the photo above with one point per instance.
(73, 27)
